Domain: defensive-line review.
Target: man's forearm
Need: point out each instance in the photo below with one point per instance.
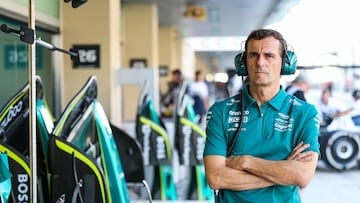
(284, 172)
(298, 169)
(241, 180)
(280, 172)
(220, 176)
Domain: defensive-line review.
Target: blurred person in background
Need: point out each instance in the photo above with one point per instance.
(355, 110)
(299, 87)
(199, 91)
(168, 99)
(329, 108)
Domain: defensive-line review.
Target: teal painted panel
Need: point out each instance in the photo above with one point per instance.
(48, 7)
(16, 56)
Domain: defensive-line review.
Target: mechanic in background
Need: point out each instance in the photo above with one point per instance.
(299, 87)
(168, 100)
(199, 91)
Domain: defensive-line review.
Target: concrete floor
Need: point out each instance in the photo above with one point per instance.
(328, 186)
(331, 186)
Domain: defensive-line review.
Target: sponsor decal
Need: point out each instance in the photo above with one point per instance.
(146, 143)
(232, 102)
(23, 188)
(200, 143)
(234, 119)
(283, 123)
(61, 199)
(160, 147)
(187, 147)
(234, 113)
(10, 115)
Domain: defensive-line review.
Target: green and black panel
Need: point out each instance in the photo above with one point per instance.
(189, 136)
(14, 121)
(156, 148)
(84, 129)
(130, 155)
(110, 158)
(44, 127)
(76, 108)
(190, 143)
(74, 152)
(20, 170)
(74, 174)
(14, 132)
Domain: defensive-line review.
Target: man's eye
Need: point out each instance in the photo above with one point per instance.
(252, 55)
(270, 56)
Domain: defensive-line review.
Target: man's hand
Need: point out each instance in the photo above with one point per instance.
(236, 162)
(298, 153)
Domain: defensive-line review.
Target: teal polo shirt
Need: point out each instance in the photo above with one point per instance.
(269, 131)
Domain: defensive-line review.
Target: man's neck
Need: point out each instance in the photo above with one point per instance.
(263, 94)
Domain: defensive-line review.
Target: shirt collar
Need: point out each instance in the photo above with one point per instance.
(276, 102)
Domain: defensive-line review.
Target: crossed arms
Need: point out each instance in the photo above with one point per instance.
(247, 172)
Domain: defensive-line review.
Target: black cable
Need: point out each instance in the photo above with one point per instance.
(77, 192)
(238, 131)
(241, 120)
(78, 183)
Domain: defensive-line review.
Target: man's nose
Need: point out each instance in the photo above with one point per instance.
(260, 60)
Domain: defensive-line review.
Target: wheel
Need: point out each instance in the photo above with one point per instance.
(341, 150)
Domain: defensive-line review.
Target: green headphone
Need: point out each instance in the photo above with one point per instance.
(288, 67)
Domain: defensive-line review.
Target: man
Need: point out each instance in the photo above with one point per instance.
(298, 87)
(355, 109)
(329, 108)
(277, 149)
(168, 100)
(200, 93)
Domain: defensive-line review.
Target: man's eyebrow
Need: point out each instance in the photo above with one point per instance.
(269, 53)
(253, 52)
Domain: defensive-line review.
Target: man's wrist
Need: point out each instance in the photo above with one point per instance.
(246, 164)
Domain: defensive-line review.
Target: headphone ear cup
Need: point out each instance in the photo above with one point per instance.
(240, 64)
(290, 63)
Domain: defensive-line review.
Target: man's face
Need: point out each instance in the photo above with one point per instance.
(264, 61)
(176, 78)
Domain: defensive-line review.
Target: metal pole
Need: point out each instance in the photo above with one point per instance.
(32, 106)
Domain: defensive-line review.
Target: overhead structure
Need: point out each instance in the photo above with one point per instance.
(195, 12)
(218, 18)
(76, 3)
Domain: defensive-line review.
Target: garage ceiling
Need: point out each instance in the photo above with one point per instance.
(226, 18)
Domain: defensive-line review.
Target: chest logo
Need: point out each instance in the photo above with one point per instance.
(283, 123)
